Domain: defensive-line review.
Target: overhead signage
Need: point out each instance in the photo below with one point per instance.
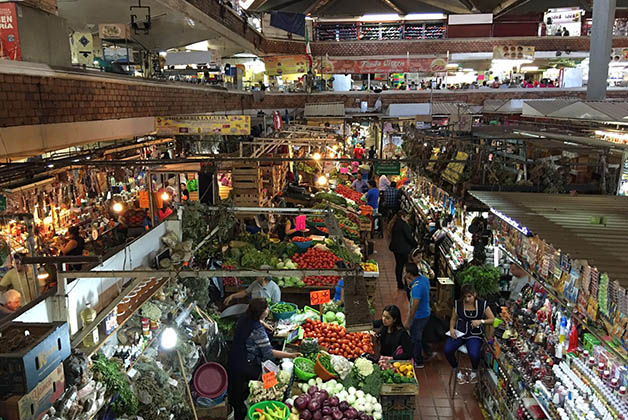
(388, 65)
(9, 36)
(234, 125)
(188, 57)
(454, 170)
(286, 64)
(82, 48)
(554, 17)
(513, 52)
(388, 168)
(113, 31)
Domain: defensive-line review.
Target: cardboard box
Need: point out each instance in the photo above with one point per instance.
(217, 412)
(22, 370)
(34, 405)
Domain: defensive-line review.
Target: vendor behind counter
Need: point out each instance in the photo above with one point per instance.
(251, 347)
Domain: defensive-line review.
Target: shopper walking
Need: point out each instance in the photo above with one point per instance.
(466, 327)
(251, 347)
(419, 312)
(402, 243)
(390, 201)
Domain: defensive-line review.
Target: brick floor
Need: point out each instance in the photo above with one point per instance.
(433, 402)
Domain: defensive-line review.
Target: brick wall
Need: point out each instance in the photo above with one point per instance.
(26, 99)
(49, 6)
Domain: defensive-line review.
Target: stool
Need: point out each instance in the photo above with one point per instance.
(453, 376)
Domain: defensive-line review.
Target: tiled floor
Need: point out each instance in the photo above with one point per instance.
(433, 402)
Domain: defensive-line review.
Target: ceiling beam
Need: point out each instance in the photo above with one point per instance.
(393, 6)
(507, 5)
(316, 6)
(257, 4)
(447, 6)
(276, 7)
(470, 5)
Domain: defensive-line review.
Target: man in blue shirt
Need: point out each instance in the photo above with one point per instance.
(372, 195)
(419, 313)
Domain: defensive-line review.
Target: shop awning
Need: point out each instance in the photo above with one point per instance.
(571, 224)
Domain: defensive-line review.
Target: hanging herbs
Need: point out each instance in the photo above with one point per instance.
(112, 375)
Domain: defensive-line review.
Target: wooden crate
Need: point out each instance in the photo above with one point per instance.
(364, 226)
(400, 389)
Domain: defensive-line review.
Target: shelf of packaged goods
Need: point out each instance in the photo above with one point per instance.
(568, 307)
(78, 338)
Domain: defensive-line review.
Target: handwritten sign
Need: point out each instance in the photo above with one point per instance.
(319, 297)
(300, 222)
(269, 379)
(144, 202)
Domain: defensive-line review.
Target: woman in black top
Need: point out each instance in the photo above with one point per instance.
(74, 246)
(401, 243)
(392, 338)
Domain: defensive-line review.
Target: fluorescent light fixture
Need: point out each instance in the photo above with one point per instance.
(244, 55)
(467, 70)
(425, 16)
(380, 17)
(511, 222)
(452, 66)
(529, 68)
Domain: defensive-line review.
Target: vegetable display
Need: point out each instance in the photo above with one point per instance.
(257, 392)
(325, 361)
(370, 265)
(282, 307)
(270, 412)
(337, 340)
(330, 400)
(315, 258)
(349, 193)
(304, 365)
(301, 239)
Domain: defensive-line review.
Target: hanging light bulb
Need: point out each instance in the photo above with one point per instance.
(168, 338)
(322, 180)
(117, 207)
(165, 196)
(316, 156)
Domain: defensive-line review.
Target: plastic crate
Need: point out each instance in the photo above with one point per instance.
(398, 415)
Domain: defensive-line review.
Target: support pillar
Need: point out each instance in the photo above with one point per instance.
(600, 48)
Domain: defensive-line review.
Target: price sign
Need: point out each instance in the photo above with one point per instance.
(300, 221)
(143, 196)
(269, 380)
(319, 297)
(344, 170)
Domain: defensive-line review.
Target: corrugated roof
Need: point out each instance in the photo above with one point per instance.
(542, 108)
(325, 109)
(450, 108)
(564, 222)
(506, 106)
(594, 111)
(616, 111)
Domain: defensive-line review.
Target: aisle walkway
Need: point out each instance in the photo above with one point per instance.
(433, 402)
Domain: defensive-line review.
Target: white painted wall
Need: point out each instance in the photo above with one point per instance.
(138, 253)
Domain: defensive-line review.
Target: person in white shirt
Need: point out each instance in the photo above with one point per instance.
(384, 183)
(519, 280)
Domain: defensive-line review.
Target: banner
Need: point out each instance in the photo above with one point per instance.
(513, 52)
(9, 35)
(113, 31)
(228, 125)
(287, 64)
(82, 48)
(388, 65)
(454, 170)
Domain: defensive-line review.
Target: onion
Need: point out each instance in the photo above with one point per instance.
(326, 410)
(312, 390)
(317, 415)
(300, 403)
(314, 405)
(336, 413)
(324, 394)
(343, 406)
(334, 401)
(327, 418)
(351, 413)
(305, 415)
(364, 416)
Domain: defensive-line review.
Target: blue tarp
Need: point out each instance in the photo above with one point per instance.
(291, 22)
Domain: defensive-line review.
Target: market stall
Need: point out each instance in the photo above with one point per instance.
(561, 348)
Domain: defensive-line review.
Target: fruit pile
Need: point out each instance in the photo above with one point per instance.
(301, 239)
(349, 193)
(337, 340)
(315, 258)
(370, 265)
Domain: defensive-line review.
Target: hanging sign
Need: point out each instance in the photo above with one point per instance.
(236, 125)
(319, 297)
(113, 31)
(454, 170)
(388, 168)
(513, 52)
(269, 379)
(390, 65)
(143, 198)
(82, 48)
(9, 36)
(300, 222)
(286, 64)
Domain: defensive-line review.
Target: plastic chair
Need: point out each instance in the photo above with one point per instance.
(453, 376)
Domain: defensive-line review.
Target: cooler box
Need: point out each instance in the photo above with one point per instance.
(34, 405)
(26, 365)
